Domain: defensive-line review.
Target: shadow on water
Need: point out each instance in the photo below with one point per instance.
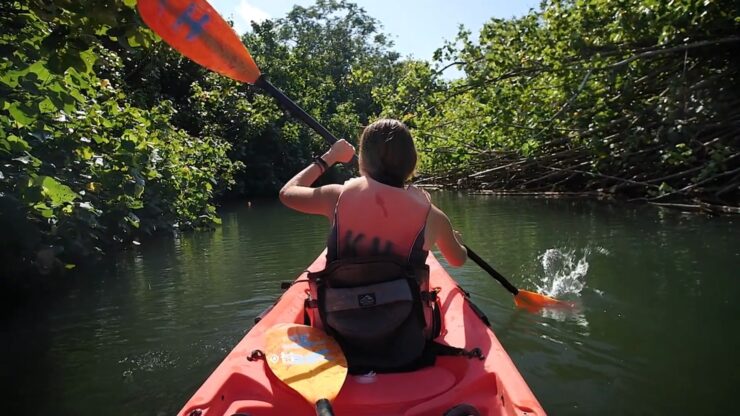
(653, 332)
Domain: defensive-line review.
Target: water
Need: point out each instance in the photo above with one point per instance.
(654, 330)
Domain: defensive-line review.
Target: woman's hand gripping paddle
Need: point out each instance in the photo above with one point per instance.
(522, 298)
(307, 360)
(197, 31)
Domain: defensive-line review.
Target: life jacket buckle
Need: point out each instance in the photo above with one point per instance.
(431, 296)
(310, 302)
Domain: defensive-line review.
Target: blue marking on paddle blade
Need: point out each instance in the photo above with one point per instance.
(303, 340)
(311, 358)
(195, 26)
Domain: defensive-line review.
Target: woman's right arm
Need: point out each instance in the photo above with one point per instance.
(448, 240)
(298, 194)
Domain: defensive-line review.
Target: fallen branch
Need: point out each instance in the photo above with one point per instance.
(680, 48)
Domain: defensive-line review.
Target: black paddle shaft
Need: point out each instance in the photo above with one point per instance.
(323, 408)
(496, 275)
(295, 110)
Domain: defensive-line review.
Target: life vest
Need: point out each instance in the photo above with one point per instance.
(373, 296)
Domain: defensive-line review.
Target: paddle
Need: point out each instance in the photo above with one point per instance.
(522, 298)
(309, 361)
(197, 31)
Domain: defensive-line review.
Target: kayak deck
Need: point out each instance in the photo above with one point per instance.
(493, 385)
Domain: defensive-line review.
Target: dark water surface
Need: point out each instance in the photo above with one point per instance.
(656, 331)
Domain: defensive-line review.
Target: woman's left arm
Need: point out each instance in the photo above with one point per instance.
(298, 194)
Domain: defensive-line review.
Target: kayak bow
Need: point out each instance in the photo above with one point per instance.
(492, 386)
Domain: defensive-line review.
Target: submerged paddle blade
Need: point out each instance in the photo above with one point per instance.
(531, 300)
(197, 31)
(307, 360)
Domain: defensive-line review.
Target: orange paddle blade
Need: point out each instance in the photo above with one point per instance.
(533, 300)
(307, 360)
(197, 31)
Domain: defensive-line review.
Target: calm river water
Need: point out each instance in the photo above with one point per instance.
(656, 331)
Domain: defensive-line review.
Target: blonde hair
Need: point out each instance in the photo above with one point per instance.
(387, 152)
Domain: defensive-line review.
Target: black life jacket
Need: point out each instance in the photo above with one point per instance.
(374, 296)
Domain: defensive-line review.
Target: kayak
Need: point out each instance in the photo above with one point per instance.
(454, 386)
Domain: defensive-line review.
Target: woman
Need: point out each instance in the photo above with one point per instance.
(374, 294)
(387, 160)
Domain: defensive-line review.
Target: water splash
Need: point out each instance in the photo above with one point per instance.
(562, 275)
(563, 272)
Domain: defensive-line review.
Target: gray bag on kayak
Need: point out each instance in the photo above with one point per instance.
(375, 308)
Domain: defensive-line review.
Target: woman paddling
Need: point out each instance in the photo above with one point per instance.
(374, 295)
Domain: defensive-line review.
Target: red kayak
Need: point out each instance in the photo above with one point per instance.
(454, 386)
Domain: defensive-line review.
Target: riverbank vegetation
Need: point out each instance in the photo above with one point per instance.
(108, 136)
(630, 98)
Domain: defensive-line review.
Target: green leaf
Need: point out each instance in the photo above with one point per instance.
(44, 210)
(47, 106)
(56, 191)
(132, 219)
(15, 144)
(20, 115)
(133, 41)
(39, 68)
(88, 57)
(86, 153)
(135, 204)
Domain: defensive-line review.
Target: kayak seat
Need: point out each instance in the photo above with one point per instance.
(383, 389)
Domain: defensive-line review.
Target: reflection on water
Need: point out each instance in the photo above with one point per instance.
(653, 331)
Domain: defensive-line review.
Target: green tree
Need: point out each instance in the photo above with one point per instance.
(328, 58)
(622, 96)
(82, 168)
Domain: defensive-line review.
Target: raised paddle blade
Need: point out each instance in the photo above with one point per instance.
(307, 360)
(532, 300)
(197, 31)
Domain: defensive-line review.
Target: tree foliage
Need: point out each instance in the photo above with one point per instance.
(82, 167)
(328, 58)
(108, 136)
(620, 96)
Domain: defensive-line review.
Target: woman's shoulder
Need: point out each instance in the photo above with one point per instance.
(355, 181)
(419, 193)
